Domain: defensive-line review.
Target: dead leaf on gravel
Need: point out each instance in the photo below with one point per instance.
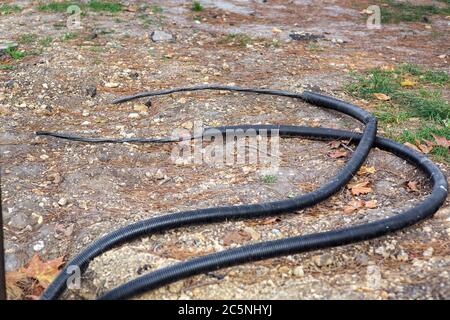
(364, 170)
(338, 154)
(381, 96)
(44, 272)
(335, 144)
(353, 206)
(12, 280)
(236, 237)
(372, 204)
(360, 188)
(412, 186)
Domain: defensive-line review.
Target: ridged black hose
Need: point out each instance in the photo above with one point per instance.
(269, 249)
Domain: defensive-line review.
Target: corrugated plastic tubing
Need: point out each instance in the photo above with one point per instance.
(269, 249)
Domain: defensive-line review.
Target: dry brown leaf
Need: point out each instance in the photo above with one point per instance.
(423, 147)
(413, 186)
(410, 145)
(13, 290)
(43, 272)
(360, 188)
(353, 206)
(381, 96)
(338, 154)
(335, 144)
(372, 204)
(236, 237)
(366, 170)
(441, 141)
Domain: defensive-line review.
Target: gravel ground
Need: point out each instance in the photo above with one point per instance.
(59, 196)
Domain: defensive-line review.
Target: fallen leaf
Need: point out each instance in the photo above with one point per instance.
(382, 96)
(410, 145)
(353, 206)
(366, 170)
(423, 147)
(372, 204)
(441, 141)
(335, 144)
(338, 154)
(407, 83)
(360, 188)
(236, 237)
(43, 272)
(412, 186)
(12, 280)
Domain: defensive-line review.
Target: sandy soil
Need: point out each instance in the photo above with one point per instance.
(102, 187)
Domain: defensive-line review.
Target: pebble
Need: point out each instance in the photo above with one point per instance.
(323, 260)
(111, 84)
(38, 246)
(62, 201)
(85, 113)
(298, 271)
(158, 36)
(133, 115)
(44, 156)
(140, 108)
(428, 252)
(10, 84)
(91, 91)
(19, 220)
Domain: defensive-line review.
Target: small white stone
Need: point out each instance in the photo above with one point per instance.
(428, 252)
(85, 113)
(44, 157)
(111, 84)
(62, 201)
(298, 271)
(133, 115)
(38, 246)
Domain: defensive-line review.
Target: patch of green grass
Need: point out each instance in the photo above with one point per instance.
(15, 54)
(427, 104)
(106, 6)
(269, 179)
(28, 38)
(426, 133)
(397, 11)
(428, 76)
(240, 39)
(46, 41)
(157, 9)
(6, 67)
(112, 7)
(8, 9)
(69, 36)
(196, 6)
(374, 81)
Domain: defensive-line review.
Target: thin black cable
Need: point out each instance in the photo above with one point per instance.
(268, 249)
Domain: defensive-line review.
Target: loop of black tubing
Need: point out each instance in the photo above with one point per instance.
(268, 249)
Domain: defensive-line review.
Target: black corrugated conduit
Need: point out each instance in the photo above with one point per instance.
(269, 249)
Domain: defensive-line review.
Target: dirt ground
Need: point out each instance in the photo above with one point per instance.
(59, 196)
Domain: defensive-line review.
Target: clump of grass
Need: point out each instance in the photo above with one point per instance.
(46, 41)
(28, 38)
(6, 67)
(113, 7)
(15, 54)
(196, 6)
(8, 9)
(269, 179)
(427, 104)
(374, 81)
(106, 6)
(240, 39)
(426, 133)
(428, 76)
(396, 11)
(68, 36)
(157, 9)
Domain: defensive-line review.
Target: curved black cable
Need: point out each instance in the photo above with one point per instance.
(261, 250)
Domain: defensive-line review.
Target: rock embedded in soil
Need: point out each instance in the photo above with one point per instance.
(159, 36)
(91, 91)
